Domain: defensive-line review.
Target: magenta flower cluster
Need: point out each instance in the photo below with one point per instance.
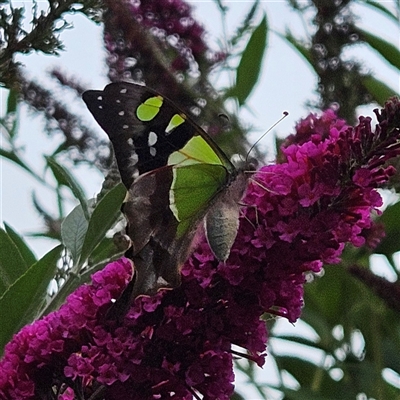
(178, 343)
(37, 358)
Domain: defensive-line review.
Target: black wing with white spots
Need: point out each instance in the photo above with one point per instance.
(140, 146)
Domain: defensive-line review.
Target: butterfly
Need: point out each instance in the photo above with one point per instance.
(176, 177)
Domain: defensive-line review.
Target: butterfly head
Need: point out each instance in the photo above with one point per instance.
(248, 165)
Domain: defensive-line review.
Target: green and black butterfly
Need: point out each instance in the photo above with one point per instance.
(176, 175)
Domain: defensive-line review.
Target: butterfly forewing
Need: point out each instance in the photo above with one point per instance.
(144, 127)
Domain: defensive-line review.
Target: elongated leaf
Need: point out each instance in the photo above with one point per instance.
(12, 263)
(387, 50)
(14, 158)
(378, 6)
(12, 101)
(40, 297)
(102, 219)
(248, 71)
(16, 304)
(300, 47)
(64, 177)
(73, 232)
(300, 340)
(23, 248)
(379, 91)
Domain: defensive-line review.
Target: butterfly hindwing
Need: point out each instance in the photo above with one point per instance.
(168, 227)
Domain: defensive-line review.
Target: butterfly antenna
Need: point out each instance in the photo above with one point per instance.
(285, 114)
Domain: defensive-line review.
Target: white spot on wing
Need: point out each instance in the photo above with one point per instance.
(133, 160)
(152, 139)
(123, 90)
(153, 151)
(121, 113)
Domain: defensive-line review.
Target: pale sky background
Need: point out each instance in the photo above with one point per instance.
(286, 84)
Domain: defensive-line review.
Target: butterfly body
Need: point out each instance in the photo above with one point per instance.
(176, 177)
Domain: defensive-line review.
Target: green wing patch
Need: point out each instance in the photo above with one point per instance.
(149, 109)
(193, 188)
(196, 150)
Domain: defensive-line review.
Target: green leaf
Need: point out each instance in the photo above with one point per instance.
(64, 177)
(249, 68)
(300, 47)
(299, 340)
(23, 248)
(378, 5)
(14, 158)
(24, 297)
(12, 262)
(102, 219)
(104, 252)
(73, 232)
(237, 396)
(379, 91)
(12, 101)
(387, 50)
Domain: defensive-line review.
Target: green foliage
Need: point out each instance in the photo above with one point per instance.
(73, 231)
(248, 71)
(387, 50)
(85, 240)
(24, 280)
(104, 216)
(26, 295)
(335, 302)
(380, 7)
(15, 258)
(299, 46)
(64, 178)
(378, 90)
